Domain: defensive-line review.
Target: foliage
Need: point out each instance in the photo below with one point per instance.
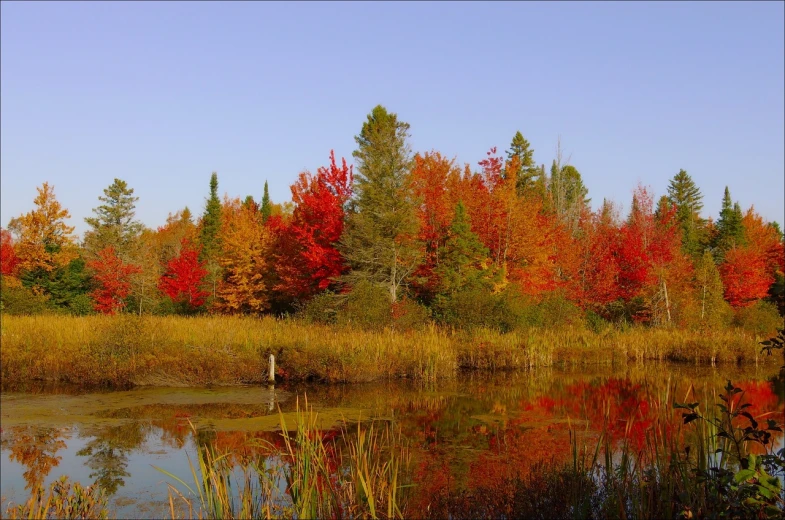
(8, 258)
(19, 300)
(688, 199)
(367, 307)
(308, 260)
(114, 225)
(266, 206)
(184, 278)
(44, 241)
(762, 318)
(112, 279)
(380, 239)
(244, 260)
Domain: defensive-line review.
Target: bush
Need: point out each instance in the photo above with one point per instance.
(81, 305)
(409, 315)
(761, 318)
(19, 300)
(367, 306)
(473, 308)
(322, 308)
(596, 323)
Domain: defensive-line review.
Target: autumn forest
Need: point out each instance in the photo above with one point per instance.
(403, 238)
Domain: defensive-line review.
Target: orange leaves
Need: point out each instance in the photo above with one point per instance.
(748, 271)
(45, 241)
(744, 276)
(244, 257)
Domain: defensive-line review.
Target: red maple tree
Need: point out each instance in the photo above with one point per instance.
(184, 276)
(308, 260)
(745, 276)
(112, 277)
(8, 258)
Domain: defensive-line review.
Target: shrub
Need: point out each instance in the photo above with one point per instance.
(409, 315)
(19, 300)
(367, 306)
(322, 308)
(761, 318)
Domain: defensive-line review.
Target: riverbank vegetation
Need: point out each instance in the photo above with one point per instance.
(129, 350)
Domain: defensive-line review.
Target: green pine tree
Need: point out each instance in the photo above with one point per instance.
(687, 197)
(714, 310)
(568, 194)
(730, 230)
(462, 257)
(266, 207)
(210, 235)
(114, 223)
(211, 221)
(528, 173)
(380, 238)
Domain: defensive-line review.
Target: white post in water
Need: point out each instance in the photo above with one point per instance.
(271, 375)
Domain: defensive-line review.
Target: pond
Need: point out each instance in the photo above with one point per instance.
(462, 433)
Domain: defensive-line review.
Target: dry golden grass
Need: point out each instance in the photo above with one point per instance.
(225, 350)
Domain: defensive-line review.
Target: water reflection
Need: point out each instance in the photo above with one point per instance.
(474, 433)
(36, 449)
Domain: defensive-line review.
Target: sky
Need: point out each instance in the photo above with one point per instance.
(162, 94)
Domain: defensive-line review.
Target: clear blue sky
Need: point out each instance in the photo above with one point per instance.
(162, 94)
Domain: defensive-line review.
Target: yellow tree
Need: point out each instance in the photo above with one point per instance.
(245, 260)
(44, 241)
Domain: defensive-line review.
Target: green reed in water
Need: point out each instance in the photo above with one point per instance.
(320, 480)
(61, 500)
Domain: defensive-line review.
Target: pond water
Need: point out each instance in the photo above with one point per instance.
(462, 433)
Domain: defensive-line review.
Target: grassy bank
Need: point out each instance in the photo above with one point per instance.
(178, 351)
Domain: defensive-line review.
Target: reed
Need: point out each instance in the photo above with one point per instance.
(62, 499)
(129, 350)
(310, 478)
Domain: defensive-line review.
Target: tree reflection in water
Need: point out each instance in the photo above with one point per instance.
(35, 448)
(108, 450)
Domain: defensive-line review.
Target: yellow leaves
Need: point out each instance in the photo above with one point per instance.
(44, 240)
(244, 258)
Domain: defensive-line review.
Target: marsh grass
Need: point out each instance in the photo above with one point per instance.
(61, 499)
(129, 350)
(315, 475)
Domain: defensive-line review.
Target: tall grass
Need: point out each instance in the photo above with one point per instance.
(223, 350)
(61, 499)
(367, 479)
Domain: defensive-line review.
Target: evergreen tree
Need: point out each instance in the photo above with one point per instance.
(528, 173)
(114, 223)
(266, 207)
(568, 194)
(714, 310)
(211, 222)
(730, 230)
(462, 257)
(380, 238)
(686, 196)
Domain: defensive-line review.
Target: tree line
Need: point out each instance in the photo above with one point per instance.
(403, 233)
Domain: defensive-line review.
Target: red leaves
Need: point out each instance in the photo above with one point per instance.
(308, 260)
(112, 278)
(184, 277)
(744, 276)
(8, 258)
